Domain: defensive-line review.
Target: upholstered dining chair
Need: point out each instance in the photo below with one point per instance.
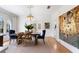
(12, 35)
(42, 36)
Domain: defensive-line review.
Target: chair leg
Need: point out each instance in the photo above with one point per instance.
(44, 41)
(10, 41)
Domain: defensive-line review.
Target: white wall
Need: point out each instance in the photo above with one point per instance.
(22, 21)
(40, 20)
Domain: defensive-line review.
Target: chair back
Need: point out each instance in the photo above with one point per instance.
(43, 33)
(11, 32)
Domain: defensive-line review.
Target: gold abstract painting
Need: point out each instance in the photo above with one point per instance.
(69, 27)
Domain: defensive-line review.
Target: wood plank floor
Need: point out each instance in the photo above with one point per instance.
(51, 46)
(56, 45)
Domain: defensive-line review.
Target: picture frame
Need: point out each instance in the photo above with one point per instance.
(34, 25)
(39, 26)
(47, 25)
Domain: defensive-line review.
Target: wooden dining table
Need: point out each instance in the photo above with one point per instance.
(35, 35)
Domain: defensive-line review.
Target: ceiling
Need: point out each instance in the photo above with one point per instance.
(23, 10)
(38, 11)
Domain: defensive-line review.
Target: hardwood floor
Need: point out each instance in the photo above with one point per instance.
(51, 46)
(56, 45)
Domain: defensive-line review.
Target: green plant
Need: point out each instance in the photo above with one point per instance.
(29, 26)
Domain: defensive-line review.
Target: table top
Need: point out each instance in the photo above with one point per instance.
(3, 34)
(35, 33)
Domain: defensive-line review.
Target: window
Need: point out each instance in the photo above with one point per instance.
(1, 24)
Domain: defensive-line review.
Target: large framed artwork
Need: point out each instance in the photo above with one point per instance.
(47, 25)
(69, 27)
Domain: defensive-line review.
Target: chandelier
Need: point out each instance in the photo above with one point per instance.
(30, 17)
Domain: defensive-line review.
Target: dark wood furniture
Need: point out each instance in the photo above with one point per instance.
(1, 39)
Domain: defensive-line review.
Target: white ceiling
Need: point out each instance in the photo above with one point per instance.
(23, 10)
(18, 10)
(38, 11)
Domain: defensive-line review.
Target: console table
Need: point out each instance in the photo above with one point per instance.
(1, 39)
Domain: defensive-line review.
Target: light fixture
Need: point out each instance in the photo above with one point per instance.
(48, 7)
(30, 14)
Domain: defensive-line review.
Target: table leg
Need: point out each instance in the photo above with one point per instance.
(36, 40)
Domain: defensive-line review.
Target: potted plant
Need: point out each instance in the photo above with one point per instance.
(29, 27)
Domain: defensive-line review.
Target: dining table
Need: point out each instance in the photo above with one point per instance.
(35, 35)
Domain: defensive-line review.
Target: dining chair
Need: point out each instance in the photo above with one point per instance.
(42, 36)
(12, 35)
